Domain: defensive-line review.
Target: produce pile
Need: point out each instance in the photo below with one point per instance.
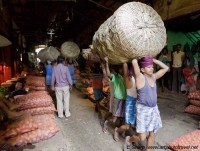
(31, 129)
(37, 122)
(194, 99)
(35, 83)
(77, 74)
(187, 140)
(36, 103)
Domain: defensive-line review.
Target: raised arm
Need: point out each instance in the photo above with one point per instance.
(125, 69)
(136, 68)
(103, 69)
(162, 71)
(107, 68)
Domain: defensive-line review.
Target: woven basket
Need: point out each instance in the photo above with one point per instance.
(4, 42)
(88, 54)
(41, 55)
(49, 53)
(133, 31)
(70, 49)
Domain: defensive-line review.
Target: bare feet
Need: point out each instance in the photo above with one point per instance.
(116, 135)
(105, 126)
(127, 145)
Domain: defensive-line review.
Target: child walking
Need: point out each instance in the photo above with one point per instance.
(148, 116)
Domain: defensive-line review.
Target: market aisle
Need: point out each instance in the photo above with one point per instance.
(82, 131)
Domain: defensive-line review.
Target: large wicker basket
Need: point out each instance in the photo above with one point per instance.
(49, 53)
(41, 55)
(89, 55)
(133, 31)
(70, 49)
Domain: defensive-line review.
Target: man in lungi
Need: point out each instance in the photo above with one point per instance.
(148, 119)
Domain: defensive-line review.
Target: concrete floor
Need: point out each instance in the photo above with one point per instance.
(82, 131)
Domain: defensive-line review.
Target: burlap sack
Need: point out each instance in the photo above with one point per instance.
(133, 31)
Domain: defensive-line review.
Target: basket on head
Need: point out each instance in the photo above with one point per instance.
(70, 49)
(49, 53)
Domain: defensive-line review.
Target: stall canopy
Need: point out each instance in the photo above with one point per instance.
(4, 41)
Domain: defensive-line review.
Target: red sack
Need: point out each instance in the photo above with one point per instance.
(33, 136)
(46, 128)
(34, 100)
(194, 95)
(41, 110)
(195, 102)
(185, 142)
(20, 127)
(192, 109)
(35, 81)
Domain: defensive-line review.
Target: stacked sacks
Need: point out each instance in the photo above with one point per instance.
(187, 142)
(36, 103)
(35, 83)
(133, 31)
(194, 99)
(30, 130)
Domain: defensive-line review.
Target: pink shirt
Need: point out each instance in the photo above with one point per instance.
(60, 76)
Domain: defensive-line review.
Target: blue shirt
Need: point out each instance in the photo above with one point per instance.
(147, 95)
(48, 70)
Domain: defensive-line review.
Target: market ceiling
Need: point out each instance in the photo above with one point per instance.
(56, 21)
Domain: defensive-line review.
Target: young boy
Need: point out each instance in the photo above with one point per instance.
(97, 84)
(119, 94)
(148, 116)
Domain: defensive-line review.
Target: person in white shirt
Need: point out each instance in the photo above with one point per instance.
(178, 57)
